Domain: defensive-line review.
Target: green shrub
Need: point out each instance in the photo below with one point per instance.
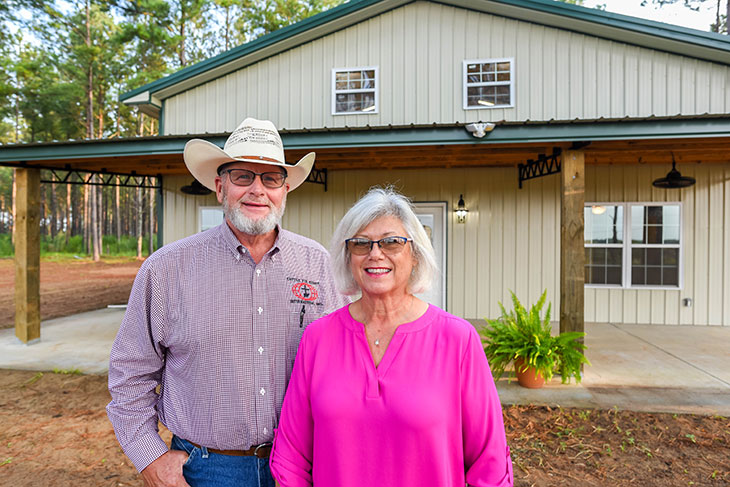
(6, 245)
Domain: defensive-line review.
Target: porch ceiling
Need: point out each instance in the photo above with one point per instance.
(709, 150)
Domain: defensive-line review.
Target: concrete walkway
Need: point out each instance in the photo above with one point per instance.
(683, 369)
(651, 368)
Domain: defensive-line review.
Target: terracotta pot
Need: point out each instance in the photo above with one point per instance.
(530, 378)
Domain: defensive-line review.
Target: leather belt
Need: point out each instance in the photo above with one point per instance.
(260, 451)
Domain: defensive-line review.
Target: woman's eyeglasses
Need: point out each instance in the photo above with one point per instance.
(244, 177)
(388, 245)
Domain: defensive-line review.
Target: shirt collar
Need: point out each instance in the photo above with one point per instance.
(232, 242)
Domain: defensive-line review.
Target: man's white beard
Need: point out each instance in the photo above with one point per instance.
(248, 225)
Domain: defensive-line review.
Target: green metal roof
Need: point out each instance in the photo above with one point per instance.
(517, 133)
(655, 35)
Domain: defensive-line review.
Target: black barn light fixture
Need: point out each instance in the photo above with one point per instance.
(674, 179)
(195, 188)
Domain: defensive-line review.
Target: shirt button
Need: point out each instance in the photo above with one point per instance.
(260, 310)
(266, 430)
(262, 391)
(261, 350)
(238, 256)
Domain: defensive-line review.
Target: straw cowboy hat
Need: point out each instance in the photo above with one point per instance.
(255, 141)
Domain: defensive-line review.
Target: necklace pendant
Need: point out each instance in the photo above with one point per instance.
(377, 342)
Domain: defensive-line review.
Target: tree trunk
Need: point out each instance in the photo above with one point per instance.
(182, 35)
(68, 213)
(76, 210)
(139, 223)
(151, 193)
(44, 213)
(117, 220)
(85, 223)
(95, 222)
(90, 81)
(12, 229)
(54, 211)
(100, 216)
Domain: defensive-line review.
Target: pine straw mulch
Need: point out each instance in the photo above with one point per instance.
(54, 431)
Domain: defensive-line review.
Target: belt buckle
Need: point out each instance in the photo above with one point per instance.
(261, 454)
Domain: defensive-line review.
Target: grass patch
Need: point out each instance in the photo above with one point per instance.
(73, 371)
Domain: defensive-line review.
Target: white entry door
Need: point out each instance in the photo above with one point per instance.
(432, 216)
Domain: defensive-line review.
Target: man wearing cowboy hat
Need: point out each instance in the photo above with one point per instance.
(214, 320)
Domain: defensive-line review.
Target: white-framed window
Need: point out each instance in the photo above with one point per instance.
(633, 245)
(209, 217)
(355, 91)
(489, 83)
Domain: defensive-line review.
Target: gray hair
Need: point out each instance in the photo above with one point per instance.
(379, 202)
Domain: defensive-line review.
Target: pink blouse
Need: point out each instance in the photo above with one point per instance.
(428, 415)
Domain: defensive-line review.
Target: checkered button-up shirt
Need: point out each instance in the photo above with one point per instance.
(218, 333)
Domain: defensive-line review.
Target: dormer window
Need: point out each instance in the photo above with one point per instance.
(354, 91)
(488, 83)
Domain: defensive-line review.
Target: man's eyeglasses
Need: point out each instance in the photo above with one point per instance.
(244, 177)
(388, 245)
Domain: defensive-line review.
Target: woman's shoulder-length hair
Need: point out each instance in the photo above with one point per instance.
(379, 202)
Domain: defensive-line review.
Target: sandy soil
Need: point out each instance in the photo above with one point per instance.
(54, 431)
(70, 287)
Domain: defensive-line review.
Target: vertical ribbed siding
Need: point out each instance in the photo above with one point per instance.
(182, 211)
(509, 241)
(705, 246)
(511, 238)
(419, 49)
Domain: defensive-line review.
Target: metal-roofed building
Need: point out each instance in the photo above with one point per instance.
(396, 92)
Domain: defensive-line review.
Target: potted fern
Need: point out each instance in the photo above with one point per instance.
(524, 337)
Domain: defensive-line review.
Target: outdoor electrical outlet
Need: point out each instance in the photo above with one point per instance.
(687, 302)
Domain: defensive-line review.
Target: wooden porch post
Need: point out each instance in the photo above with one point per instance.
(572, 254)
(28, 255)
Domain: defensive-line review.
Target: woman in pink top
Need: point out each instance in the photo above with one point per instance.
(389, 391)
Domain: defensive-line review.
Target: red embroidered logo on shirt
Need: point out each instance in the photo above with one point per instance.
(304, 291)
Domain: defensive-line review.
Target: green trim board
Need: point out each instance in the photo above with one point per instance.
(14, 155)
(655, 35)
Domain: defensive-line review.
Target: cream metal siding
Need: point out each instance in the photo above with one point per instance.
(511, 238)
(181, 211)
(705, 248)
(419, 49)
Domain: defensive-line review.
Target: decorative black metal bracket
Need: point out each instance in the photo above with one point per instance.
(543, 166)
(318, 176)
(103, 178)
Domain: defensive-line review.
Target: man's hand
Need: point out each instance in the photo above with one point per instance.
(166, 471)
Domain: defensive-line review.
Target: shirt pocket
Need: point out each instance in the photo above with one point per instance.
(300, 316)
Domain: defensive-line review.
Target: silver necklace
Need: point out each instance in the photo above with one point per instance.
(377, 340)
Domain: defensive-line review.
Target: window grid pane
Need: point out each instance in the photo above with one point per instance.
(603, 265)
(489, 84)
(355, 91)
(653, 247)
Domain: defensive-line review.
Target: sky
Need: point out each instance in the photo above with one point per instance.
(676, 14)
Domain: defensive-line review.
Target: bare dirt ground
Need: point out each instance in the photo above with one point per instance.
(70, 287)
(54, 430)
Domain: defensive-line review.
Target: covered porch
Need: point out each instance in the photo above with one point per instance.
(530, 150)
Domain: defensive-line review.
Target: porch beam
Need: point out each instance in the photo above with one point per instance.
(572, 254)
(28, 255)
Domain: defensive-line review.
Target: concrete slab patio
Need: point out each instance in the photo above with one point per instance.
(682, 369)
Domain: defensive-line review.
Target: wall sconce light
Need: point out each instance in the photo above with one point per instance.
(461, 210)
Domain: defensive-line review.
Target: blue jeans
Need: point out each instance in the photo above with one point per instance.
(205, 469)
